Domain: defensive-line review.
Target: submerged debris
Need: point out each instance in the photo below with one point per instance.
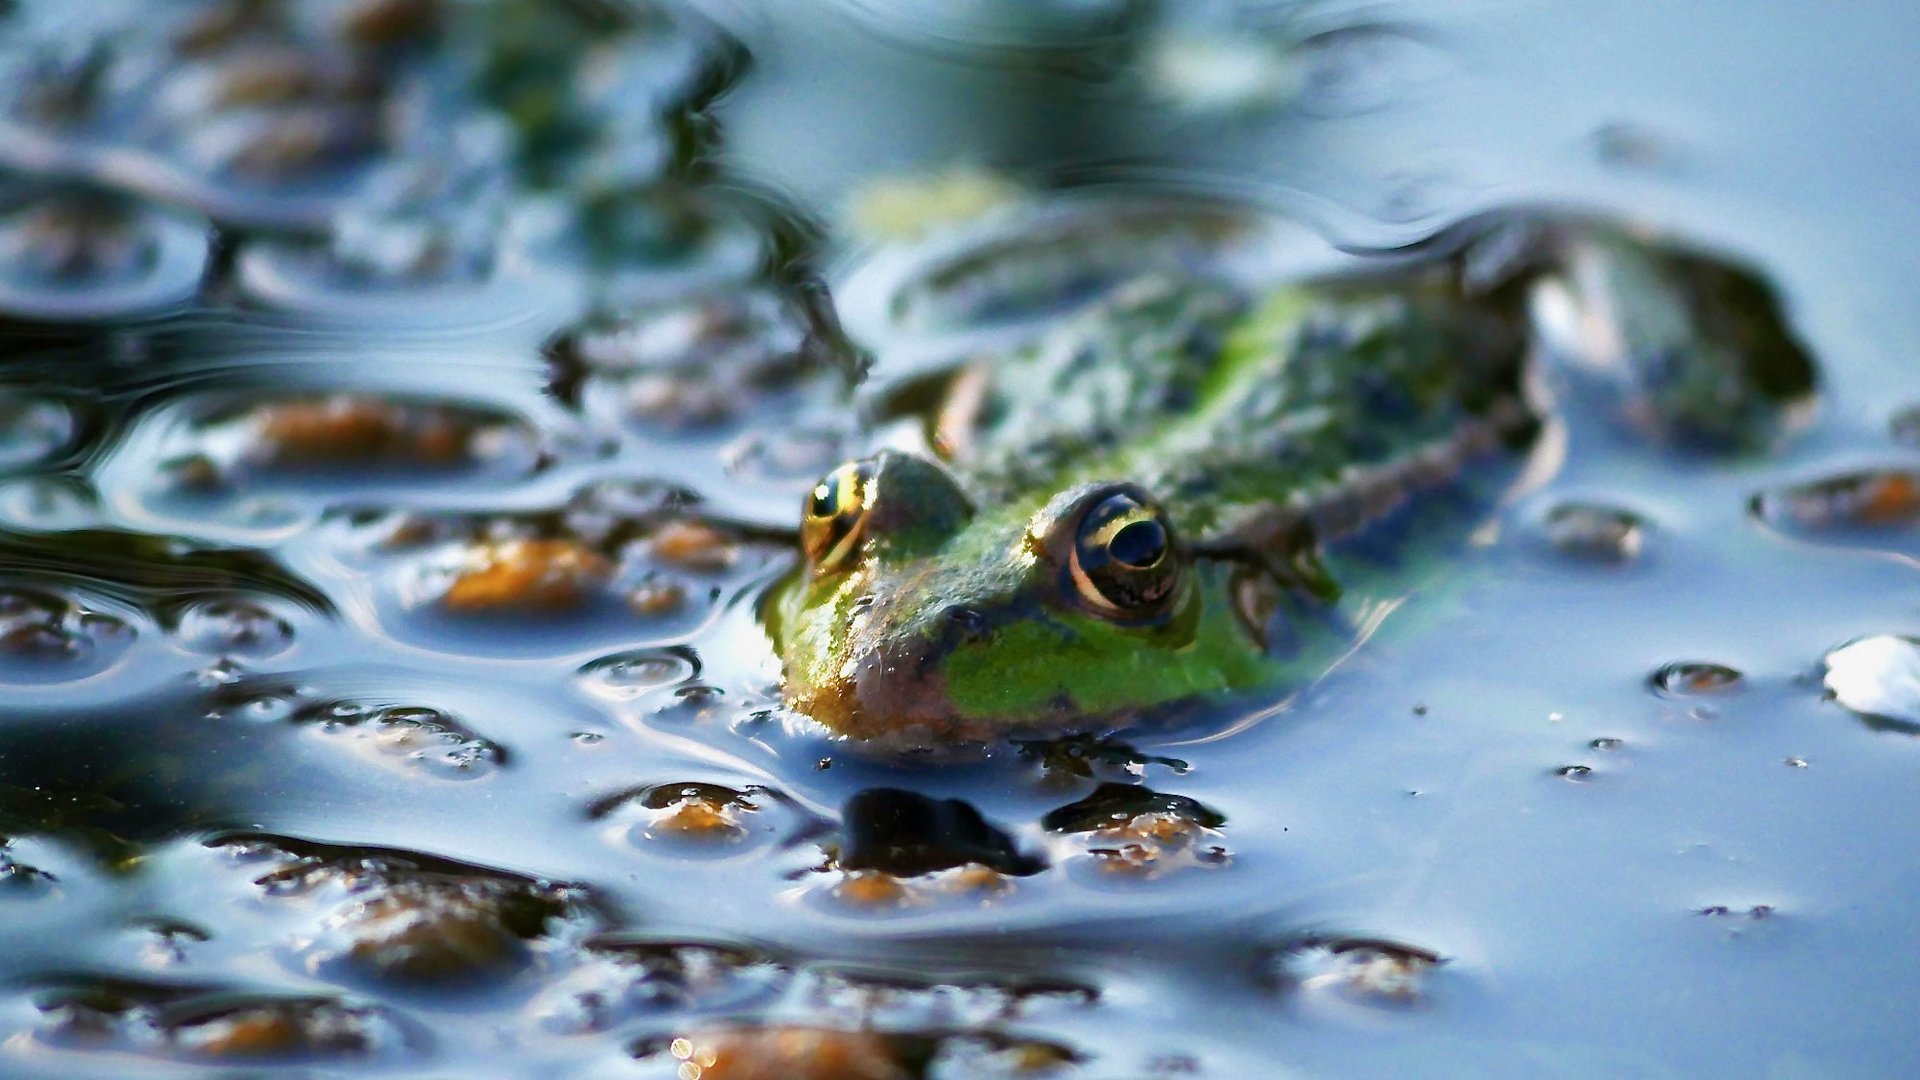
(214, 1025)
(1363, 971)
(1868, 499)
(401, 918)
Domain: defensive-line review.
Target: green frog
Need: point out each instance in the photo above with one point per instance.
(1151, 504)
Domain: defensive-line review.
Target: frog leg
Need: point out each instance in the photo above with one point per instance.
(1284, 546)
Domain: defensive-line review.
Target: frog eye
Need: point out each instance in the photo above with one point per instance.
(1123, 563)
(836, 509)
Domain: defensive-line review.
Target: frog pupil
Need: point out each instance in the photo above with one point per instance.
(1138, 544)
(821, 505)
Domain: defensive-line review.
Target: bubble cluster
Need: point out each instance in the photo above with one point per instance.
(48, 637)
(401, 919)
(415, 738)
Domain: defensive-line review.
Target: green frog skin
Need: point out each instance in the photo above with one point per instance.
(1117, 516)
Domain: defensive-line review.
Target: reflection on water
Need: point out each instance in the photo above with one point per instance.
(406, 404)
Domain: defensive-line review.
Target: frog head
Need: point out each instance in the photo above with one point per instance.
(921, 618)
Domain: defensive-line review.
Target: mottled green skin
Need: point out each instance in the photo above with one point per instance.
(1242, 416)
(1267, 428)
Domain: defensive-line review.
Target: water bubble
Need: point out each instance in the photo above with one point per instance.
(215, 1026)
(1576, 773)
(1606, 743)
(46, 637)
(628, 975)
(1848, 505)
(1595, 533)
(233, 628)
(1133, 830)
(1753, 914)
(700, 819)
(1361, 971)
(32, 428)
(1688, 678)
(418, 739)
(625, 676)
(77, 256)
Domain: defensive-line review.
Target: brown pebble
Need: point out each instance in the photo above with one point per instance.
(654, 597)
(872, 888)
(692, 545)
(352, 429)
(791, 1053)
(546, 575)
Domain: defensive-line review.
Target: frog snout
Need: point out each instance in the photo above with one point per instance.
(898, 678)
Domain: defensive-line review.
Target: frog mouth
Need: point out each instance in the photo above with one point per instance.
(891, 689)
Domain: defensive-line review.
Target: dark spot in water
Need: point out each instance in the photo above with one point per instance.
(1115, 804)
(905, 834)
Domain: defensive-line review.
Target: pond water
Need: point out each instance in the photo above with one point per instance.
(404, 405)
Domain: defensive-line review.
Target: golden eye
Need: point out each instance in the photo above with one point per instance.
(835, 512)
(1123, 563)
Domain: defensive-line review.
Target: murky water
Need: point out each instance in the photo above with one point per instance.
(402, 404)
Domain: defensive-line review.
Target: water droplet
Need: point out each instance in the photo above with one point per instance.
(1850, 506)
(1576, 773)
(46, 637)
(1686, 678)
(1358, 971)
(1606, 743)
(32, 428)
(1590, 532)
(409, 737)
(233, 628)
(625, 676)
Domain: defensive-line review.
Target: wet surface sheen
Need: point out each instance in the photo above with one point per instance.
(402, 403)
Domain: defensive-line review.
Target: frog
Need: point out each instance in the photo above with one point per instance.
(1151, 506)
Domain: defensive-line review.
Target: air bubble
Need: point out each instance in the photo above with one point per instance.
(1595, 533)
(625, 676)
(233, 628)
(45, 637)
(32, 428)
(1691, 678)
